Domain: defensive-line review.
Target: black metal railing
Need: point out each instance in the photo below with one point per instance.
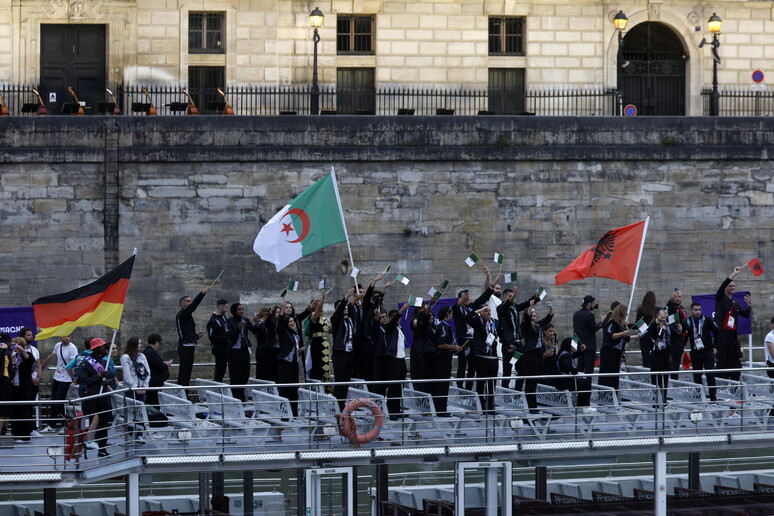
(20, 98)
(745, 102)
(295, 100)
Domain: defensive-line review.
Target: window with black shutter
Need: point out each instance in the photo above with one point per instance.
(355, 34)
(506, 36)
(206, 33)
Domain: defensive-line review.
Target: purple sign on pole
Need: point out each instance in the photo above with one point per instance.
(707, 302)
(14, 319)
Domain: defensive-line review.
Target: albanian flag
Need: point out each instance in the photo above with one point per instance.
(100, 302)
(616, 256)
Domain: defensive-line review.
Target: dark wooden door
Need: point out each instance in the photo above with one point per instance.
(72, 55)
(651, 70)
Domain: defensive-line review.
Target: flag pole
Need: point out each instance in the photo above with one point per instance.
(343, 223)
(639, 259)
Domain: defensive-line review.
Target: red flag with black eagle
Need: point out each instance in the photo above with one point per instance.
(755, 266)
(613, 256)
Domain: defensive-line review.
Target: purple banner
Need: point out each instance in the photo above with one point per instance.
(405, 319)
(13, 319)
(707, 302)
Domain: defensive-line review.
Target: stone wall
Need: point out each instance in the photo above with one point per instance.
(418, 192)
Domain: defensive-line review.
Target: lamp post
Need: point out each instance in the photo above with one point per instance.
(714, 24)
(620, 22)
(315, 20)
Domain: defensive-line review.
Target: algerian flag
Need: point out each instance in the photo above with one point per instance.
(293, 285)
(509, 277)
(471, 260)
(321, 285)
(541, 293)
(313, 220)
(355, 272)
(415, 301)
(642, 326)
(432, 291)
(671, 319)
(387, 269)
(444, 284)
(498, 258)
(575, 340)
(284, 293)
(403, 279)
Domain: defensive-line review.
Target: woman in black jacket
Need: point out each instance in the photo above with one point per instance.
(660, 333)
(615, 335)
(530, 364)
(290, 352)
(565, 365)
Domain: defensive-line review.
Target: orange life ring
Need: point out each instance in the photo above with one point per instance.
(347, 423)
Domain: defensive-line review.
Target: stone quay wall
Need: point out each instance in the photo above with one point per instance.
(78, 194)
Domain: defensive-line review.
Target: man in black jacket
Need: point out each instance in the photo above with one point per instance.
(239, 348)
(464, 331)
(701, 330)
(727, 313)
(484, 353)
(187, 336)
(585, 326)
(388, 362)
(217, 331)
(159, 369)
(679, 336)
(508, 327)
(344, 339)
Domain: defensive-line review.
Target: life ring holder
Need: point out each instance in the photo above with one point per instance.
(347, 425)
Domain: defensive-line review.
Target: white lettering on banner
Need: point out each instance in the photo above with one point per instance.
(10, 329)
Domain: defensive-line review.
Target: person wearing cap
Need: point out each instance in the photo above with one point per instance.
(96, 375)
(187, 336)
(217, 331)
(585, 326)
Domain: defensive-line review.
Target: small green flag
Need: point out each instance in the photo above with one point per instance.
(471, 260)
(403, 279)
(444, 285)
(415, 301)
(498, 258)
(387, 269)
(292, 285)
(576, 340)
(541, 293)
(641, 325)
(284, 293)
(509, 277)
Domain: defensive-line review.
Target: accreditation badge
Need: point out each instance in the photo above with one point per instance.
(729, 323)
(698, 344)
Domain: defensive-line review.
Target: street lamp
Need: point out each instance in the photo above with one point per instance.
(714, 27)
(620, 20)
(315, 20)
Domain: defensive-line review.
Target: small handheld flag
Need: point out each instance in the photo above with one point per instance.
(509, 277)
(432, 291)
(387, 269)
(498, 258)
(284, 293)
(444, 285)
(355, 272)
(403, 279)
(671, 319)
(292, 285)
(576, 340)
(642, 326)
(541, 293)
(471, 260)
(755, 266)
(415, 301)
(321, 285)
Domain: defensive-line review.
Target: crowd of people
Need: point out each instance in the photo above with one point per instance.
(362, 339)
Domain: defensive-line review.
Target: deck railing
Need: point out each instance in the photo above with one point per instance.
(741, 102)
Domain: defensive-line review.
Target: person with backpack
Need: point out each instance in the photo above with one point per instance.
(96, 375)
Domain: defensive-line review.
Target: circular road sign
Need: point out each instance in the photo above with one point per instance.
(630, 110)
(757, 76)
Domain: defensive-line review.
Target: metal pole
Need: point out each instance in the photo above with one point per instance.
(541, 482)
(715, 95)
(132, 494)
(49, 501)
(247, 493)
(300, 492)
(203, 498)
(314, 106)
(660, 483)
(382, 487)
(694, 471)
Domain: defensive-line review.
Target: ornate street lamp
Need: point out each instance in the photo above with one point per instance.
(714, 24)
(315, 20)
(620, 20)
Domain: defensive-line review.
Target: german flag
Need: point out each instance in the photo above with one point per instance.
(100, 302)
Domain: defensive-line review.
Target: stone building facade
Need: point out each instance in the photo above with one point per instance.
(480, 44)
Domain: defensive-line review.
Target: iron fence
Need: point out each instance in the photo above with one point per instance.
(740, 102)
(134, 99)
